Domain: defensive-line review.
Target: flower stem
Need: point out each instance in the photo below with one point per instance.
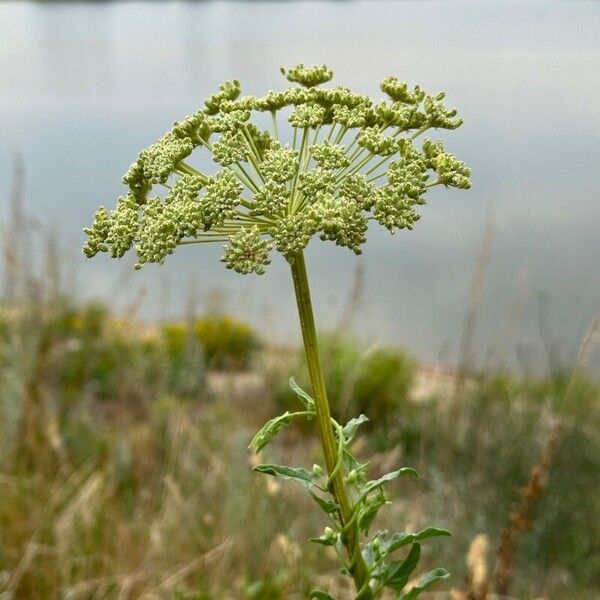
(357, 566)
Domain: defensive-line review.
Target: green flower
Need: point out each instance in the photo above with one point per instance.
(350, 162)
(315, 181)
(97, 233)
(221, 198)
(280, 164)
(307, 115)
(272, 199)
(229, 90)
(291, 234)
(247, 252)
(231, 148)
(308, 77)
(329, 156)
(341, 221)
(376, 142)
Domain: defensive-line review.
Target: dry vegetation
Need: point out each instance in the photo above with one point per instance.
(123, 476)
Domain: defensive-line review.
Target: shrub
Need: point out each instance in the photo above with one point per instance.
(373, 381)
(225, 342)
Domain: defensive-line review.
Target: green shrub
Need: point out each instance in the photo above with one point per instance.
(226, 343)
(372, 381)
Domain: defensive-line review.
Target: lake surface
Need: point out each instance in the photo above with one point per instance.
(84, 86)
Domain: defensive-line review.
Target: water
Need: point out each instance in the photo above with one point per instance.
(83, 87)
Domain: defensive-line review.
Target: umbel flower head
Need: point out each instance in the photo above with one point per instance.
(344, 160)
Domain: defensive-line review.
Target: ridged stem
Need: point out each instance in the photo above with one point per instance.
(351, 537)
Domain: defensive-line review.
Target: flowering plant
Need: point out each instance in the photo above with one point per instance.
(349, 161)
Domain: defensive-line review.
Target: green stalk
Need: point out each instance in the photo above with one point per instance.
(351, 538)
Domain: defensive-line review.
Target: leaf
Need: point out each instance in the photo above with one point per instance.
(369, 553)
(369, 511)
(319, 595)
(352, 464)
(308, 402)
(325, 540)
(302, 476)
(427, 580)
(269, 430)
(372, 485)
(402, 539)
(352, 425)
(326, 505)
(397, 573)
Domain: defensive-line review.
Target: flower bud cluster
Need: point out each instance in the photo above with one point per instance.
(437, 115)
(308, 77)
(341, 221)
(196, 128)
(307, 115)
(222, 197)
(123, 226)
(280, 164)
(358, 163)
(376, 142)
(97, 233)
(450, 170)
(311, 183)
(229, 90)
(329, 156)
(292, 233)
(156, 163)
(358, 189)
(398, 91)
(272, 199)
(247, 252)
(231, 148)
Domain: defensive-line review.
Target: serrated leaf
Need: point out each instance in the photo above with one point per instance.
(319, 595)
(302, 476)
(308, 402)
(369, 511)
(326, 505)
(269, 430)
(402, 539)
(427, 580)
(397, 573)
(372, 485)
(352, 425)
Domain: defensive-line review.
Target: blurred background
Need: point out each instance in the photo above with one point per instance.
(127, 399)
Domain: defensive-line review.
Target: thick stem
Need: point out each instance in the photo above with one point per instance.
(351, 539)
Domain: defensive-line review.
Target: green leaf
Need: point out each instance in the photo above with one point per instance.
(352, 425)
(369, 553)
(352, 464)
(397, 573)
(326, 505)
(402, 539)
(325, 540)
(269, 430)
(318, 595)
(308, 402)
(369, 511)
(427, 580)
(302, 476)
(372, 485)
